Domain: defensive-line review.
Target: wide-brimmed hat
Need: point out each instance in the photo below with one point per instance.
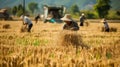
(67, 17)
(22, 16)
(103, 20)
(82, 14)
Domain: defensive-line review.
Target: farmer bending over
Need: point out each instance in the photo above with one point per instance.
(69, 23)
(27, 22)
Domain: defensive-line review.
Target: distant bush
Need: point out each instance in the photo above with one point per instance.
(118, 13)
(76, 15)
(20, 12)
(90, 14)
(113, 15)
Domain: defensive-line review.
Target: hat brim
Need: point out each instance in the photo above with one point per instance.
(66, 19)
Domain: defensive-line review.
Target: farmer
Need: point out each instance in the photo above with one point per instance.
(82, 19)
(69, 23)
(106, 26)
(27, 22)
(37, 17)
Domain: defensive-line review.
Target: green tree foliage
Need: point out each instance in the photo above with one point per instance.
(113, 15)
(90, 14)
(17, 10)
(14, 10)
(102, 7)
(20, 7)
(20, 12)
(118, 13)
(74, 9)
(32, 6)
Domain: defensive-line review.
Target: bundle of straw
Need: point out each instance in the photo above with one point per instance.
(6, 26)
(68, 38)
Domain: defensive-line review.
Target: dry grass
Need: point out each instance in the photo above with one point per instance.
(49, 46)
(87, 23)
(23, 29)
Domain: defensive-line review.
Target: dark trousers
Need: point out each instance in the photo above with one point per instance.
(36, 20)
(107, 30)
(81, 23)
(45, 21)
(29, 27)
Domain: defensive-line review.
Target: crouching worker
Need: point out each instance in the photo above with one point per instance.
(49, 19)
(69, 23)
(27, 22)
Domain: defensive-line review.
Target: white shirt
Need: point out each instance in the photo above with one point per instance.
(27, 20)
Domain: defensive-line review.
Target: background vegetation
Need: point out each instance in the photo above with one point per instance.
(34, 8)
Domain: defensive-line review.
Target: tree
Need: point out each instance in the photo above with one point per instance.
(32, 6)
(20, 7)
(74, 9)
(102, 7)
(118, 13)
(14, 10)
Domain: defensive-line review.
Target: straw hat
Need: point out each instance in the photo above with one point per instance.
(67, 17)
(22, 16)
(103, 20)
(83, 14)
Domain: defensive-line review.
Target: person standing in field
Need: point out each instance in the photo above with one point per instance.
(27, 22)
(69, 23)
(37, 17)
(82, 19)
(106, 26)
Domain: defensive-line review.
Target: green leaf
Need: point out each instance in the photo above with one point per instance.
(108, 55)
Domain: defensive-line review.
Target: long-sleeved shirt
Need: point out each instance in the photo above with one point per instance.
(27, 20)
(82, 18)
(106, 25)
(73, 26)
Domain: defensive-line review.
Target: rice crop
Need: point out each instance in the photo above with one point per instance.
(49, 46)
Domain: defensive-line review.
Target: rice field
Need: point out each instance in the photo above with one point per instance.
(49, 46)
